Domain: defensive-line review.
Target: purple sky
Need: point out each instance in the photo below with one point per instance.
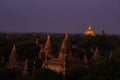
(72, 16)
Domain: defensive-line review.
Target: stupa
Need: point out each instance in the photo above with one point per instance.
(12, 62)
(89, 31)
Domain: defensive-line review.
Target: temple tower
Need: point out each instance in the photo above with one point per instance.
(89, 31)
(12, 61)
(47, 51)
(48, 46)
(25, 69)
(65, 50)
(96, 53)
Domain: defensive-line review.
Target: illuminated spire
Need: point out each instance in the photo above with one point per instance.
(66, 36)
(25, 69)
(65, 48)
(89, 27)
(13, 53)
(48, 46)
(89, 31)
(47, 51)
(12, 61)
(96, 53)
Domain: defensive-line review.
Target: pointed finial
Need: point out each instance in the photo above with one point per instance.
(89, 27)
(48, 37)
(13, 52)
(14, 48)
(12, 61)
(66, 35)
(65, 48)
(48, 46)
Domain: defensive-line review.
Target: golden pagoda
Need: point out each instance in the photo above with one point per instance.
(89, 31)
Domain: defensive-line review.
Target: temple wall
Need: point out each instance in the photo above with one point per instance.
(57, 68)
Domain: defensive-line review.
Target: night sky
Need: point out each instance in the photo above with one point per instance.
(71, 16)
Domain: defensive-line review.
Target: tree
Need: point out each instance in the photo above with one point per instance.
(105, 68)
(46, 74)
